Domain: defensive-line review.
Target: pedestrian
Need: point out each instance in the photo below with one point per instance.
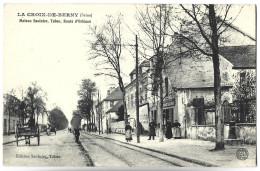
(152, 126)
(128, 132)
(77, 134)
(176, 129)
(168, 132)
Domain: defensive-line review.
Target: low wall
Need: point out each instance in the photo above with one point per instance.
(246, 132)
(118, 127)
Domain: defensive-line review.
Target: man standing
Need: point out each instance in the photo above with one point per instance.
(77, 134)
(152, 126)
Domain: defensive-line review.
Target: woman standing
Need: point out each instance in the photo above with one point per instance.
(128, 132)
(176, 130)
(168, 132)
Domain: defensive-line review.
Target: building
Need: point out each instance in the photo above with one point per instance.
(9, 118)
(114, 96)
(116, 114)
(144, 94)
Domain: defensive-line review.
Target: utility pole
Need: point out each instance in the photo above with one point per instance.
(137, 94)
(98, 110)
(101, 107)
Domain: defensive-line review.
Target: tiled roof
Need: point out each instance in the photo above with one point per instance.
(240, 56)
(145, 63)
(196, 74)
(115, 95)
(116, 106)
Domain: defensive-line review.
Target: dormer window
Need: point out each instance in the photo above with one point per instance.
(140, 70)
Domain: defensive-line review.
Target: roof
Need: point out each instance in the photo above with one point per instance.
(115, 95)
(116, 106)
(240, 56)
(197, 73)
(145, 63)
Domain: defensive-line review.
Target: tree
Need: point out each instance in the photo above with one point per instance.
(201, 29)
(120, 113)
(154, 23)
(106, 50)
(244, 92)
(76, 119)
(85, 103)
(57, 119)
(35, 100)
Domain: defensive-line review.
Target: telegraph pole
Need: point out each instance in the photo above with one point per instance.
(98, 111)
(137, 94)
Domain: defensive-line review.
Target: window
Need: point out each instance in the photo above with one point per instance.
(128, 101)
(13, 124)
(166, 86)
(140, 70)
(198, 104)
(111, 103)
(242, 78)
(132, 100)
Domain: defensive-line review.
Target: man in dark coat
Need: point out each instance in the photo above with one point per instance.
(168, 132)
(77, 134)
(152, 126)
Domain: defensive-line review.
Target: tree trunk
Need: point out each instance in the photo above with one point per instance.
(160, 109)
(88, 124)
(219, 119)
(9, 113)
(101, 115)
(125, 109)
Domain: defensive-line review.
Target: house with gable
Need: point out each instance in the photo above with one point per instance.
(114, 98)
(144, 97)
(189, 93)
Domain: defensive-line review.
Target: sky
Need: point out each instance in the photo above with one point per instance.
(56, 55)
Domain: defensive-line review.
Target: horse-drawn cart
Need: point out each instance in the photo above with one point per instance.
(27, 132)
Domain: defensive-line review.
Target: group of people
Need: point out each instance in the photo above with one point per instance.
(172, 130)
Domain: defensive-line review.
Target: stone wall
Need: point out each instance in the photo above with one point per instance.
(118, 127)
(246, 132)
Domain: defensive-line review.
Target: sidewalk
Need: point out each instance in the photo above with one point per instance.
(8, 138)
(194, 150)
(11, 138)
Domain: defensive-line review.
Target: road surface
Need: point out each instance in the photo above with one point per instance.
(92, 151)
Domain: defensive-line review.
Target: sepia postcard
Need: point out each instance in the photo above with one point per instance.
(129, 85)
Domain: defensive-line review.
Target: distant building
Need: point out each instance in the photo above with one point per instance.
(6, 117)
(114, 96)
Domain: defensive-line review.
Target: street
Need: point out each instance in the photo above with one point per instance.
(93, 150)
(54, 150)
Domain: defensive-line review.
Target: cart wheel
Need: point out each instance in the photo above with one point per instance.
(38, 137)
(16, 136)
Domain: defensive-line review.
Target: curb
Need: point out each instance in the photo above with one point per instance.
(9, 142)
(203, 163)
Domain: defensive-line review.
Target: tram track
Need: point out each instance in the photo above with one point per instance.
(168, 160)
(190, 162)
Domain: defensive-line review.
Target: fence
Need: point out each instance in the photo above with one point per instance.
(240, 112)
